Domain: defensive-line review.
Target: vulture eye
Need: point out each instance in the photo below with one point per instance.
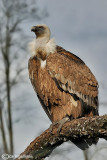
(41, 27)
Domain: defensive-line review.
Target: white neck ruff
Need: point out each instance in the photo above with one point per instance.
(48, 47)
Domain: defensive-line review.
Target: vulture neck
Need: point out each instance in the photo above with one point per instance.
(41, 42)
(44, 46)
(41, 47)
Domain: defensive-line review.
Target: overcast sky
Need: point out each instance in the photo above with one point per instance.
(79, 26)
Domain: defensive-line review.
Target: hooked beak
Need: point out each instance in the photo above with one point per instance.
(34, 29)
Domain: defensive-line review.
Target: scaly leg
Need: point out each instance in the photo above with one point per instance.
(61, 123)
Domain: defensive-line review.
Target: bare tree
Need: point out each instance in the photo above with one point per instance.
(12, 49)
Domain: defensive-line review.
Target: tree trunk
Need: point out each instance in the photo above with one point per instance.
(9, 109)
(2, 129)
(8, 89)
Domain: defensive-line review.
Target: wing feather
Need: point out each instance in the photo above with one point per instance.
(72, 75)
(33, 66)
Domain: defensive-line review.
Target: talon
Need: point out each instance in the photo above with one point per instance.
(59, 128)
(51, 126)
(61, 123)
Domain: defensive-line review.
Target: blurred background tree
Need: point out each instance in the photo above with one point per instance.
(13, 44)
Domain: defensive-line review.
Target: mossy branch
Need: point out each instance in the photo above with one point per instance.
(85, 127)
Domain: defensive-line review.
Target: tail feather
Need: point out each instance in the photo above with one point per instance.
(80, 143)
(84, 144)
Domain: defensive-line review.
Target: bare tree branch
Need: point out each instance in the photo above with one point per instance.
(12, 48)
(43, 145)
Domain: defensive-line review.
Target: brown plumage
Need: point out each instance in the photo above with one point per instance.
(64, 84)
